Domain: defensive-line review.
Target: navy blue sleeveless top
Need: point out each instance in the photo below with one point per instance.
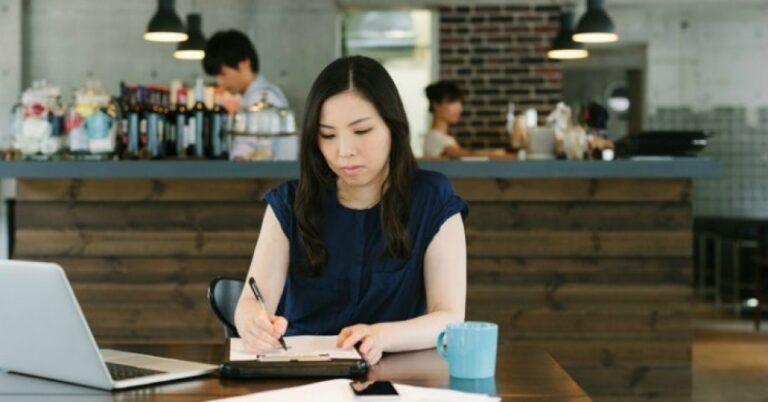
(361, 285)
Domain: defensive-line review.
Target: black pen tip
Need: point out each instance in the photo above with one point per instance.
(250, 280)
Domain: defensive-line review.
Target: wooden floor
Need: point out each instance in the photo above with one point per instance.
(730, 361)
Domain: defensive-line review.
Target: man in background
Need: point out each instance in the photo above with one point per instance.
(232, 59)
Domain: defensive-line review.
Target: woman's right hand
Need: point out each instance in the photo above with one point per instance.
(259, 331)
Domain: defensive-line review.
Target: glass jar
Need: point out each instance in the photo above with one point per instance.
(263, 132)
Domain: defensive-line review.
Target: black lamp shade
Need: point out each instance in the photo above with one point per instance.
(563, 46)
(165, 25)
(595, 26)
(194, 47)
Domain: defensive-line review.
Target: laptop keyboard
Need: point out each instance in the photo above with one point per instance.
(122, 372)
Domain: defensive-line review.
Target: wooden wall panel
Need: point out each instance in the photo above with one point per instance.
(104, 243)
(579, 243)
(142, 270)
(247, 215)
(142, 190)
(140, 215)
(596, 272)
(556, 270)
(565, 190)
(553, 190)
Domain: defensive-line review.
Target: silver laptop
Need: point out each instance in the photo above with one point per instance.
(43, 333)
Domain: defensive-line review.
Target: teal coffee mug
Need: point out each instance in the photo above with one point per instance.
(470, 348)
(474, 385)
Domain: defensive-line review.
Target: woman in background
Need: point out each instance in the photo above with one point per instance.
(445, 104)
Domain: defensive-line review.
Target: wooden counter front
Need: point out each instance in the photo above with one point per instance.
(596, 272)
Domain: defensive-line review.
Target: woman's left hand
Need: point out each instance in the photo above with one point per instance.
(371, 347)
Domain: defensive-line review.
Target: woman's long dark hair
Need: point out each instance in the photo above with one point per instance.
(369, 78)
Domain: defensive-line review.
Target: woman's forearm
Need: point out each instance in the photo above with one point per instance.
(445, 280)
(246, 307)
(416, 333)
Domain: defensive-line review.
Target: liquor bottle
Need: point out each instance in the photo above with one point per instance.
(198, 115)
(182, 130)
(209, 124)
(163, 113)
(169, 125)
(159, 108)
(218, 117)
(122, 132)
(153, 122)
(164, 131)
(143, 105)
(133, 111)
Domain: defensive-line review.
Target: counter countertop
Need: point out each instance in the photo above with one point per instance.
(501, 169)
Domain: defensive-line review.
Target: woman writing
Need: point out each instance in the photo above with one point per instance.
(364, 245)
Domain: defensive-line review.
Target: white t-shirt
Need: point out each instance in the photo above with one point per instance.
(435, 143)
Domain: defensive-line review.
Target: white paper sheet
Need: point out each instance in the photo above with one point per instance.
(339, 391)
(298, 346)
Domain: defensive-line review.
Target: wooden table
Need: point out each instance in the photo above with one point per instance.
(522, 375)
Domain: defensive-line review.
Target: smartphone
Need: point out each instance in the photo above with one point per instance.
(374, 391)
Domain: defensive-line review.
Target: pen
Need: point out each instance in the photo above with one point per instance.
(260, 298)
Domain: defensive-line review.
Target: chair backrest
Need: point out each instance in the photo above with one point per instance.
(223, 294)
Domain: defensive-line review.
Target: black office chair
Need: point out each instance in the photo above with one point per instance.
(223, 294)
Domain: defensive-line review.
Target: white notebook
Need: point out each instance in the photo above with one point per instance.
(340, 391)
(304, 347)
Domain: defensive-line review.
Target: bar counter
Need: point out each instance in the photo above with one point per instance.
(662, 168)
(589, 261)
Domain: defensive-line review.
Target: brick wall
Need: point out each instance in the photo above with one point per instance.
(497, 54)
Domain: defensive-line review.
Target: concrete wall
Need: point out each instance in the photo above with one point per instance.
(73, 41)
(10, 61)
(704, 71)
(10, 85)
(704, 54)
